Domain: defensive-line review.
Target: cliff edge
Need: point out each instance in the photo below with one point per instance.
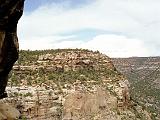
(70, 84)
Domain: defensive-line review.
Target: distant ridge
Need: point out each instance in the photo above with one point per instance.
(144, 75)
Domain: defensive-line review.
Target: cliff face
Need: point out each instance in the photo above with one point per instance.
(71, 84)
(143, 74)
(10, 13)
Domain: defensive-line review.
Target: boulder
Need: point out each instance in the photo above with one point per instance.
(8, 112)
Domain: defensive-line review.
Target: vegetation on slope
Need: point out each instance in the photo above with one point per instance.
(66, 69)
(144, 76)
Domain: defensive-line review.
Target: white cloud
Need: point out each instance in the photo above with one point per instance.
(136, 20)
(117, 46)
(45, 42)
(112, 45)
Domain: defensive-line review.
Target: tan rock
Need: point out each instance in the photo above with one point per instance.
(83, 104)
(8, 112)
(2, 117)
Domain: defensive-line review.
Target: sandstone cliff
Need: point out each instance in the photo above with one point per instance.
(71, 84)
(143, 74)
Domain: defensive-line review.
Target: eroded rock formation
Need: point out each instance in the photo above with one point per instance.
(72, 84)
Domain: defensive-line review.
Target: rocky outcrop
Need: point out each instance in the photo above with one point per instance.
(85, 105)
(100, 105)
(10, 13)
(72, 84)
(35, 102)
(77, 104)
(8, 112)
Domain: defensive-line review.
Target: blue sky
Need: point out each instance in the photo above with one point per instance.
(31, 5)
(118, 28)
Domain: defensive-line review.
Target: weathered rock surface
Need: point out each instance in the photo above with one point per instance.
(10, 13)
(8, 112)
(72, 84)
